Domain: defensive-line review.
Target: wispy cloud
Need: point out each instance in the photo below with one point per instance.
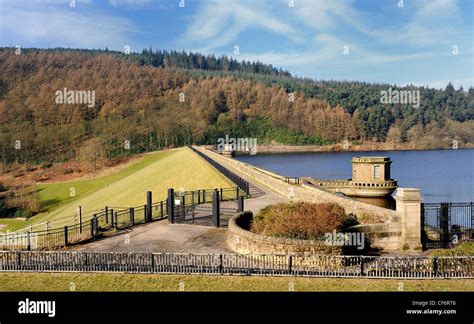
(218, 23)
(61, 25)
(385, 42)
(432, 23)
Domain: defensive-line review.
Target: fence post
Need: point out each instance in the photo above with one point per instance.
(19, 260)
(92, 228)
(221, 263)
(183, 203)
(435, 266)
(170, 207)
(132, 216)
(199, 197)
(65, 236)
(221, 195)
(29, 240)
(148, 206)
(203, 196)
(152, 263)
(111, 217)
(80, 219)
(240, 204)
(290, 264)
(215, 208)
(193, 206)
(362, 266)
(106, 215)
(96, 226)
(444, 224)
(161, 209)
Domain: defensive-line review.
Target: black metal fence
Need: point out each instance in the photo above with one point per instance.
(204, 207)
(293, 180)
(445, 224)
(240, 182)
(289, 265)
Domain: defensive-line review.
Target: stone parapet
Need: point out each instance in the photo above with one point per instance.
(240, 240)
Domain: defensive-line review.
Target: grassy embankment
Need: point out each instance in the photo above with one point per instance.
(144, 282)
(158, 171)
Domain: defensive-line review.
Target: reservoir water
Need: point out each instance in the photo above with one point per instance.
(441, 175)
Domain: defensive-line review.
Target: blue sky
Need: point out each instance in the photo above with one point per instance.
(413, 43)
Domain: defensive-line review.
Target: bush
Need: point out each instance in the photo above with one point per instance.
(46, 165)
(31, 167)
(462, 249)
(300, 220)
(22, 201)
(68, 170)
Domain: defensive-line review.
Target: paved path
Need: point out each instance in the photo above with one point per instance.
(264, 195)
(162, 237)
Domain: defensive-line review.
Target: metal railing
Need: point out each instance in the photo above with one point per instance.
(89, 226)
(286, 265)
(446, 222)
(293, 180)
(239, 181)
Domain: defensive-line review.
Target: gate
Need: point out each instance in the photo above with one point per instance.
(212, 207)
(444, 224)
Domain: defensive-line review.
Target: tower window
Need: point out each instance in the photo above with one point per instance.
(377, 171)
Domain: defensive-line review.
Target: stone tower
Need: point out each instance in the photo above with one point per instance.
(371, 169)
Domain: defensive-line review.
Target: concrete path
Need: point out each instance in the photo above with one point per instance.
(264, 195)
(162, 237)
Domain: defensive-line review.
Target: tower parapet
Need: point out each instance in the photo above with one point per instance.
(370, 178)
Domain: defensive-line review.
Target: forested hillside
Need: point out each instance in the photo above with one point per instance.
(165, 99)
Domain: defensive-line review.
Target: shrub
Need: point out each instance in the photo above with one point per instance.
(18, 173)
(46, 165)
(68, 170)
(31, 167)
(300, 220)
(462, 249)
(23, 201)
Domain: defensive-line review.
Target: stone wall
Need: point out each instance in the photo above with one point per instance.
(304, 192)
(240, 240)
(385, 228)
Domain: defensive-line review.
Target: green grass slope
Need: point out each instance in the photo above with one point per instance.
(179, 169)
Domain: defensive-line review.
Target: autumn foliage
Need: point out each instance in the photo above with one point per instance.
(154, 101)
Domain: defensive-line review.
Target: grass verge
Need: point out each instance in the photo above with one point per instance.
(153, 282)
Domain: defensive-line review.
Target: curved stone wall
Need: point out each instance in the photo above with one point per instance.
(240, 240)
